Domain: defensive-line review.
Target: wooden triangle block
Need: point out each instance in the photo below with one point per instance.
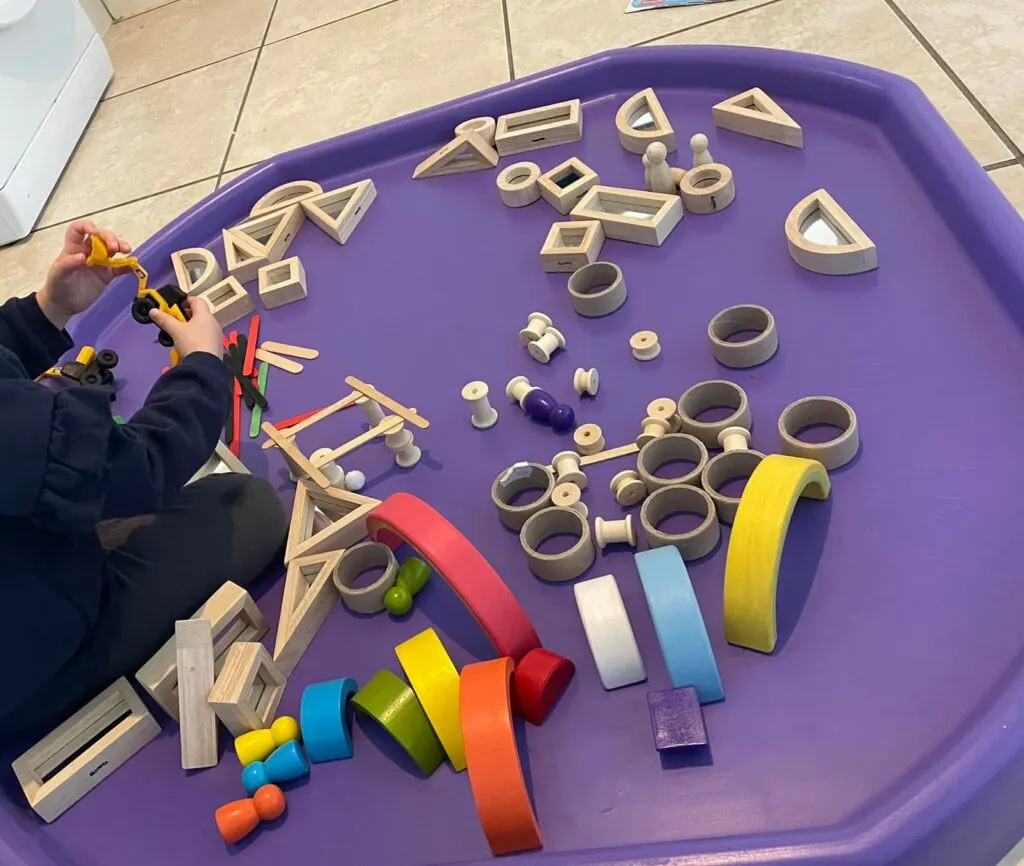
(196, 270)
(271, 234)
(466, 152)
(339, 211)
(308, 598)
(755, 113)
(823, 238)
(641, 121)
(344, 512)
(242, 257)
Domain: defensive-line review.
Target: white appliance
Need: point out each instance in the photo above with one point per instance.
(53, 70)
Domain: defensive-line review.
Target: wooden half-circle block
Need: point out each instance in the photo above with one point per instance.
(641, 120)
(466, 152)
(755, 113)
(196, 270)
(285, 195)
(823, 238)
(755, 546)
(339, 211)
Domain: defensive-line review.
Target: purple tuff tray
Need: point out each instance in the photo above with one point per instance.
(887, 726)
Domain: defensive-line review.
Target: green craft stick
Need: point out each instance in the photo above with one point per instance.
(257, 411)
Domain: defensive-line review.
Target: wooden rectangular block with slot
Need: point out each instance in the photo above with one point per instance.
(535, 128)
(633, 215)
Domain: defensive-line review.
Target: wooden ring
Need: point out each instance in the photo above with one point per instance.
(495, 774)
(517, 478)
(517, 184)
(671, 500)
(708, 395)
(604, 301)
(664, 449)
(356, 560)
(744, 353)
(482, 126)
(725, 467)
(539, 680)
(820, 410)
(707, 188)
(557, 567)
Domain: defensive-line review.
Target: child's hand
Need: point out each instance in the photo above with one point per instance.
(71, 287)
(201, 333)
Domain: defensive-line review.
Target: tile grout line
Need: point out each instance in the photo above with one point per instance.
(106, 9)
(335, 21)
(179, 74)
(508, 41)
(139, 14)
(961, 86)
(705, 23)
(1004, 163)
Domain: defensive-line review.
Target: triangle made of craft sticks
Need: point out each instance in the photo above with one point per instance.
(345, 513)
(755, 113)
(339, 211)
(308, 598)
(466, 152)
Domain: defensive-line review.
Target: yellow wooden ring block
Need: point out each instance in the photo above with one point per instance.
(435, 681)
(755, 546)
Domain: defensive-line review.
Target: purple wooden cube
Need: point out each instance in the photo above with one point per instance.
(677, 719)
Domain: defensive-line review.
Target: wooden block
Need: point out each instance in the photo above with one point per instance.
(282, 283)
(288, 349)
(824, 238)
(641, 120)
(401, 411)
(339, 211)
(242, 256)
(755, 113)
(571, 245)
(234, 617)
(535, 128)
(72, 760)
(563, 186)
(284, 196)
(308, 598)
(194, 650)
(466, 152)
(228, 301)
(222, 460)
(272, 234)
(279, 361)
(196, 270)
(297, 461)
(633, 215)
(326, 520)
(248, 689)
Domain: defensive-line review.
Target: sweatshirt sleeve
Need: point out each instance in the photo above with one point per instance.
(70, 465)
(30, 336)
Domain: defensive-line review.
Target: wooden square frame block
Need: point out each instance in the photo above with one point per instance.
(248, 690)
(853, 254)
(228, 301)
(633, 215)
(196, 270)
(339, 211)
(547, 126)
(636, 133)
(563, 186)
(234, 617)
(755, 113)
(326, 520)
(308, 599)
(571, 245)
(72, 760)
(282, 283)
(468, 151)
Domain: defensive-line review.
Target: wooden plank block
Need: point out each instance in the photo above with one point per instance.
(79, 754)
(289, 349)
(295, 429)
(282, 363)
(194, 651)
(401, 411)
(291, 452)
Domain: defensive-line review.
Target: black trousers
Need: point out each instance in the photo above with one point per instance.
(164, 566)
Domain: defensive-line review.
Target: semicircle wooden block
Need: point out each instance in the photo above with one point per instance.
(285, 195)
(755, 546)
(635, 131)
(755, 113)
(196, 270)
(854, 253)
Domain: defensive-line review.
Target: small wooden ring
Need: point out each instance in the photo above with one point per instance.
(744, 353)
(707, 189)
(604, 301)
(671, 446)
(482, 126)
(557, 567)
(589, 439)
(515, 479)
(707, 395)
(356, 560)
(725, 467)
(517, 184)
(671, 500)
(820, 410)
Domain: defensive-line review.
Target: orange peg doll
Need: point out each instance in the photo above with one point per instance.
(237, 820)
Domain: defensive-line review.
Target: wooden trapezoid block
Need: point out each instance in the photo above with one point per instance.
(234, 617)
(248, 690)
(564, 185)
(641, 120)
(465, 152)
(285, 195)
(824, 238)
(326, 520)
(79, 754)
(282, 283)
(633, 215)
(547, 126)
(755, 113)
(228, 301)
(273, 233)
(193, 640)
(242, 257)
(196, 270)
(309, 595)
(571, 245)
(339, 211)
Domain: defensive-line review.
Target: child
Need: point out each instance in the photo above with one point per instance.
(101, 547)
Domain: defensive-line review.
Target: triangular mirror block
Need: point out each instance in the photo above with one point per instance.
(242, 256)
(824, 238)
(466, 152)
(196, 270)
(346, 515)
(641, 120)
(755, 113)
(271, 234)
(309, 595)
(339, 211)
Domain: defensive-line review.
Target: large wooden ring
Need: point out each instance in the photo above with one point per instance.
(692, 544)
(743, 353)
(557, 567)
(604, 301)
(820, 410)
(666, 448)
(514, 480)
(707, 188)
(708, 395)
(356, 560)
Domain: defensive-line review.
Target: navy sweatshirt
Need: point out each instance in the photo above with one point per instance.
(65, 465)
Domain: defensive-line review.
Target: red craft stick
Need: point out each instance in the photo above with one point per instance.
(291, 422)
(250, 348)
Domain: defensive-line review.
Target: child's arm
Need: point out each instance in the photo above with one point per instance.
(30, 336)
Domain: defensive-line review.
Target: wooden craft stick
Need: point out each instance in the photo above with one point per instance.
(343, 403)
(386, 426)
(384, 400)
(292, 351)
(295, 455)
(610, 454)
(286, 364)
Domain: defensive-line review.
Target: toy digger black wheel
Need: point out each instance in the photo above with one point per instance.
(107, 358)
(141, 308)
(92, 378)
(165, 340)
